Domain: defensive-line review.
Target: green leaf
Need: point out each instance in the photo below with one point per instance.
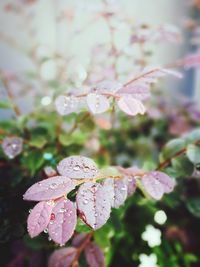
(38, 141)
(182, 166)
(81, 227)
(109, 171)
(36, 243)
(33, 161)
(5, 104)
(193, 136)
(193, 153)
(77, 137)
(32, 75)
(86, 124)
(172, 148)
(8, 125)
(102, 236)
(193, 206)
(190, 258)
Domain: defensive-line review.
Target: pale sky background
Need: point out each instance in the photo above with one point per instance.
(54, 36)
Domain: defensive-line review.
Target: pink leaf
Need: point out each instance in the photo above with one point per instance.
(171, 72)
(108, 185)
(93, 204)
(49, 171)
(140, 92)
(167, 182)
(131, 106)
(78, 167)
(130, 174)
(120, 192)
(78, 239)
(62, 227)
(131, 185)
(50, 188)
(131, 171)
(106, 87)
(157, 183)
(150, 75)
(39, 218)
(97, 103)
(12, 146)
(192, 61)
(63, 257)
(66, 104)
(94, 255)
(117, 191)
(152, 187)
(167, 33)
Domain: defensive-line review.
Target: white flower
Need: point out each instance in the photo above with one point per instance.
(160, 217)
(152, 236)
(148, 261)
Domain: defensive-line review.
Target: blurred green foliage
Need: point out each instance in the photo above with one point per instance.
(140, 141)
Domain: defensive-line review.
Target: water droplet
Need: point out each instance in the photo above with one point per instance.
(49, 238)
(69, 214)
(14, 146)
(85, 202)
(30, 210)
(53, 186)
(86, 169)
(50, 203)
(62, 210)
(97, 104)
(76, 168)
(123, 188)
(94, 189)
(46, 231)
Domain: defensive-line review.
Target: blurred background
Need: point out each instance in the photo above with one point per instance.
(39, 38)
(50, 47)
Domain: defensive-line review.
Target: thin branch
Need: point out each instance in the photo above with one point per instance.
(167, 162)
(10, 94)
(81, 248)
(102, 177)
(75, 126)
(141, 76)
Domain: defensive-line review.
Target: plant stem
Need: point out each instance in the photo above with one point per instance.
(74, 127)
(10, 94)
(167, 162)
(81, 248)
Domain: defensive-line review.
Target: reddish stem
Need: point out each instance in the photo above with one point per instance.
(167, 162)
(10, 94)
(81, 248)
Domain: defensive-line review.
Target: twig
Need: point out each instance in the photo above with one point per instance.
(140, 76)
(167, 162)
(74, 127)
(81, 248)
(102, 177)
(10, 94)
